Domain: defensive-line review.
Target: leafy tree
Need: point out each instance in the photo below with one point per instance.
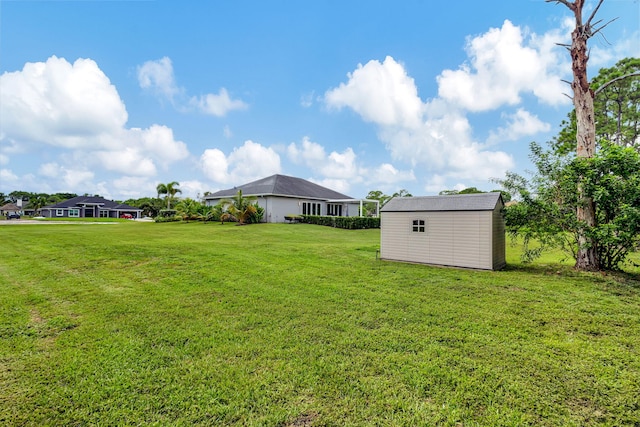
(150, 206)
(169, 190)
(587, 255)
(506, 196)
(370, 208)
(617, 108)
(401, 193)
(213, 213)
(547, 210)
(59, 197)
(471, 190)
(189, 209)
(240, 208)
(38, 202)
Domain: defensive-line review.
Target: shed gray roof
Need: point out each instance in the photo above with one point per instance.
(457, 202)
(281, 185)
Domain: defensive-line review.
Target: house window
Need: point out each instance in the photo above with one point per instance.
(418, 225)
(311, 208)
(59, 212)
(334, 210)
(74, 213)
(104, 213)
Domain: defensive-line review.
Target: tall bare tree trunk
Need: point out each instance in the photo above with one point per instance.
(587, 256)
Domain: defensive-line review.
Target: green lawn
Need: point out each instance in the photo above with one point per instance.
(300, 325)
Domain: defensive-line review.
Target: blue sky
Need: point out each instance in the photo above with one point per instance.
(114, 97)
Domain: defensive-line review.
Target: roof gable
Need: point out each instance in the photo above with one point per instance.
(10, 207)
(457, 202)
(281, 185)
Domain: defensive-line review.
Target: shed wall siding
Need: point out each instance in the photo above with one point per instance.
(461, 239)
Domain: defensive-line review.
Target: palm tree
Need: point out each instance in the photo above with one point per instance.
(239, 207)
(38, 203)
(189, 209)
(170, 189)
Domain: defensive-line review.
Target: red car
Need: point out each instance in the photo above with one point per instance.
(126, 216)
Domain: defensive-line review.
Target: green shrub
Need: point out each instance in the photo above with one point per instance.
(174, 218)
(347, 222)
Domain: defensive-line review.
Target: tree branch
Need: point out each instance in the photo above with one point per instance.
(593, 14)
(596, 31)
(604, 86)
(567, 3)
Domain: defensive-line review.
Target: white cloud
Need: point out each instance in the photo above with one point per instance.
(159, 143)
(217, 105)
(133, 187)
(158, 77)
(339, 185)
(604, 55)
(246, 163)
(340, 165)
(7, 176)
(504, 63)
(521, 123)
(306, 100)
(381, 93)
(69, 178)
(60, 104)
(215, 166)
(126, 161)
(193, 189)
(341, 170)
(309, 153)
(76, 108)
(388, 175)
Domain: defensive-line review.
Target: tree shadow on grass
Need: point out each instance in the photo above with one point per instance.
(616, 282)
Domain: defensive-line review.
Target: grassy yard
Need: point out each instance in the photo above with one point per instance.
(299, 325)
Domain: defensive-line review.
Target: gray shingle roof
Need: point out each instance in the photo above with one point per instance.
(281, 185)
(75, 201)
(457, 202)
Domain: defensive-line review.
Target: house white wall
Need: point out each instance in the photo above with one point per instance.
(451, 238)
(277, 207)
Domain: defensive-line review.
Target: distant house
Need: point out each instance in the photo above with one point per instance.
(465, 230)
(89, 207)
(10, 208)
(281, 195)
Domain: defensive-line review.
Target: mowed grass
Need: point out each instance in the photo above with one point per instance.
(299, 325)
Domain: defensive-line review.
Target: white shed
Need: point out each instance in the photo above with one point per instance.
(464, 230)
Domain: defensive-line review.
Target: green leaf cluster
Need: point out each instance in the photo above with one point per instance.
(545, 213)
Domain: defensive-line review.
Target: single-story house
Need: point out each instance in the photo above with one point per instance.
(281, 196)
(10, 208)
(89, 207)
(464, 230)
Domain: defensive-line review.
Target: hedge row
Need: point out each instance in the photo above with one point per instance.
(348, 222)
